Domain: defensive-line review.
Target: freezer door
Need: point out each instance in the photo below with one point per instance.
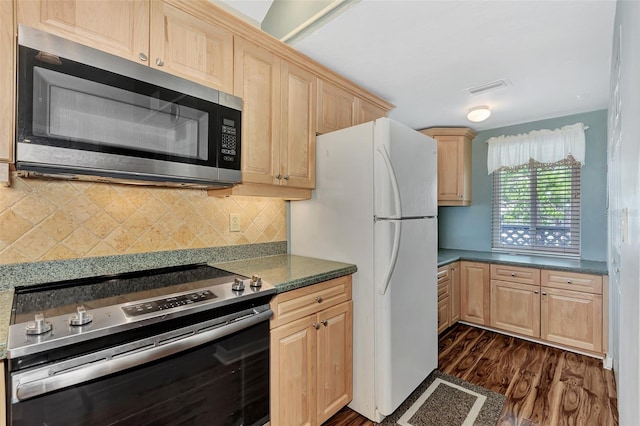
(406, 347)
(405, 171)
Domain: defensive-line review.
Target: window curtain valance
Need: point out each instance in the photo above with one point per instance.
(540, 146)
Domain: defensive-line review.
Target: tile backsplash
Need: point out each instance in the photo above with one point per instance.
(57, 219)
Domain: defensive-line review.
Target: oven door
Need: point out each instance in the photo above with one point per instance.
(214, 373)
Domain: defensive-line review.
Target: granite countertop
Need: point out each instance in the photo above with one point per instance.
(446, 256)
(288, 272)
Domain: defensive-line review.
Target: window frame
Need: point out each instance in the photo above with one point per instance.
(575, 211)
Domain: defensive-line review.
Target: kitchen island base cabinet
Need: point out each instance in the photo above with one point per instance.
(474, 292)
(311, 353)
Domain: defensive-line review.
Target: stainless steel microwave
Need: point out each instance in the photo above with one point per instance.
(85, 114)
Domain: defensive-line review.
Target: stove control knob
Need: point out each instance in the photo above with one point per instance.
(256, 281)
(81, 318)
(39, 325)
(238, 285)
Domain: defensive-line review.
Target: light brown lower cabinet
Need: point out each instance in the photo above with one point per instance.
(475, 292)
(448, 296)
(560, 307)
(515, 307)
(311, 353)
(454, 292)
(572, 318)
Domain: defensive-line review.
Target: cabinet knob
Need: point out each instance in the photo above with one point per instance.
(279, 176)
(325, 322)
(513, 274)
(159, 62)
(544, 293)
(535, 291)
(319, 299)
(569, 281)
(316, 326)
(143, 57)
(286, 177)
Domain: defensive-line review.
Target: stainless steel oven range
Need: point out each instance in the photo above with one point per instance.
(185, 345)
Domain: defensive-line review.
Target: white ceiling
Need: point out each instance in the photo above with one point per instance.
(422, 55)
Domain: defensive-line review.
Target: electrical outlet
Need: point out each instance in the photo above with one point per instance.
(234, 222)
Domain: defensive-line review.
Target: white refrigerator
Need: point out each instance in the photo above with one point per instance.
(375, 205)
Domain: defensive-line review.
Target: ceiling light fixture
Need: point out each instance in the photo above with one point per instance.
(478, 113)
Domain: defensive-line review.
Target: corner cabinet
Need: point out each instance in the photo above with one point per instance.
(454, 164)
(154, 32)
(311, 353)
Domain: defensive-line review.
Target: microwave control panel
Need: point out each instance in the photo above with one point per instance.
(228, 140)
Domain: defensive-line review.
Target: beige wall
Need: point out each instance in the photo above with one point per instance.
(57, 219)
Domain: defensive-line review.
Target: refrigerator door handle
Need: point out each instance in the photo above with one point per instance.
(394, 180)
(394, 257)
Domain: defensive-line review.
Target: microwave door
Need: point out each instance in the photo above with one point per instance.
(80, 110)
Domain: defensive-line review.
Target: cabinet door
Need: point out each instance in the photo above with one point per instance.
(335, 359)
(298, 129)
(450, 168)
(191, 48)
(572, 318)
(335, 108)
(120, 27)
(443, 314)
(257, 82)
(7, 78)
(293, 373)
(515, 307)
(474, 292)
(366, 111)
(454, 293)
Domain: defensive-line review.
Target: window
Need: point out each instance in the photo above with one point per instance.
(536, 208)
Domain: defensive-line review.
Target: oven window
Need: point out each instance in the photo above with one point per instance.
(225, 382)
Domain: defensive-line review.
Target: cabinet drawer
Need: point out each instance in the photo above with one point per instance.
(572, 281)
(443, 274)
(515, 274)
(443, 289)
(305, 301)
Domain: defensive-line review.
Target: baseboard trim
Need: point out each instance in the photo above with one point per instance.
(534, 340)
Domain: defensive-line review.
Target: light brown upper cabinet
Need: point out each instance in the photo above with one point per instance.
(146, 31)
(454, 164)
(278, 134)
(7, 46)
(335, 107)
(191, 48)
(339, 109)
(366, 111)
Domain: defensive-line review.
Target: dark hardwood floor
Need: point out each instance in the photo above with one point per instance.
(543, 385)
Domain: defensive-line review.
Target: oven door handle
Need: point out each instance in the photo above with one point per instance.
(106, 366)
